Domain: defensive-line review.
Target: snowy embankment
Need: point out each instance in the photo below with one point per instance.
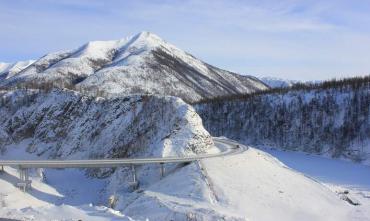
(349, 180)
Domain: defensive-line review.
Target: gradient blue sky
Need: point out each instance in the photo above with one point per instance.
(289, 39)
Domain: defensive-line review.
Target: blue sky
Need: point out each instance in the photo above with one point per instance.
(305, 40)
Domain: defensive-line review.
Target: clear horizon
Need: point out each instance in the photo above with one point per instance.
(296, 40)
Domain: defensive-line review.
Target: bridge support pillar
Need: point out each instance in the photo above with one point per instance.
(135, 182)
(25, 182)
(2, 169)
(133, 170)
(161, 169)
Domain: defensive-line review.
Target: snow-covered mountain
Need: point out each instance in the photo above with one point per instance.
(8, 70)
(143, 63)
(277, 82)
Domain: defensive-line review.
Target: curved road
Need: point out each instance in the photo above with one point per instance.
(229, 146)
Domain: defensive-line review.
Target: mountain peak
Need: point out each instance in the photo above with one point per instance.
(142, 63)
(13, 68)
(148, 39)
(143, 40)
(145, 34)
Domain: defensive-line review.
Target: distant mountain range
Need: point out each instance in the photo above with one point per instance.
(277, 82)
(144, 63)
(8, 70)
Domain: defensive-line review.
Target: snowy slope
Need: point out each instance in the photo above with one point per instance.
(277, 82)
(332, 121)
(64, 124)
(48, 201)
(249, 186)
(8, 70)
(143, 63)
(346, 178)
(260, 187)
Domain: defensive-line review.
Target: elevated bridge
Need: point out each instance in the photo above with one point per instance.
(227, 146)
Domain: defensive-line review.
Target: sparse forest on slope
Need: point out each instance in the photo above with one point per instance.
(330, 118)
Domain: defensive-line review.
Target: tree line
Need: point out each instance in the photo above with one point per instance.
(341, 84)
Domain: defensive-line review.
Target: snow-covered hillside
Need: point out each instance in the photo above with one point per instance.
(277, 82)
(334, 121)
(64, 124)
(8, 70)
(143, 63)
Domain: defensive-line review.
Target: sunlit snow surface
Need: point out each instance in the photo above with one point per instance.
(64, 195)
(248, 186)
(338, 175)
(327, 170)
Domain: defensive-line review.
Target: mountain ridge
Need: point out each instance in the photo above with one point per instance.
(140, 64)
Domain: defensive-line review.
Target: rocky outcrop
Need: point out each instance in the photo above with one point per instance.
(64, 124)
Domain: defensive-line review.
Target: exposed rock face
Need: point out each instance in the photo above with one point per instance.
(142, 64)
(64, 124)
